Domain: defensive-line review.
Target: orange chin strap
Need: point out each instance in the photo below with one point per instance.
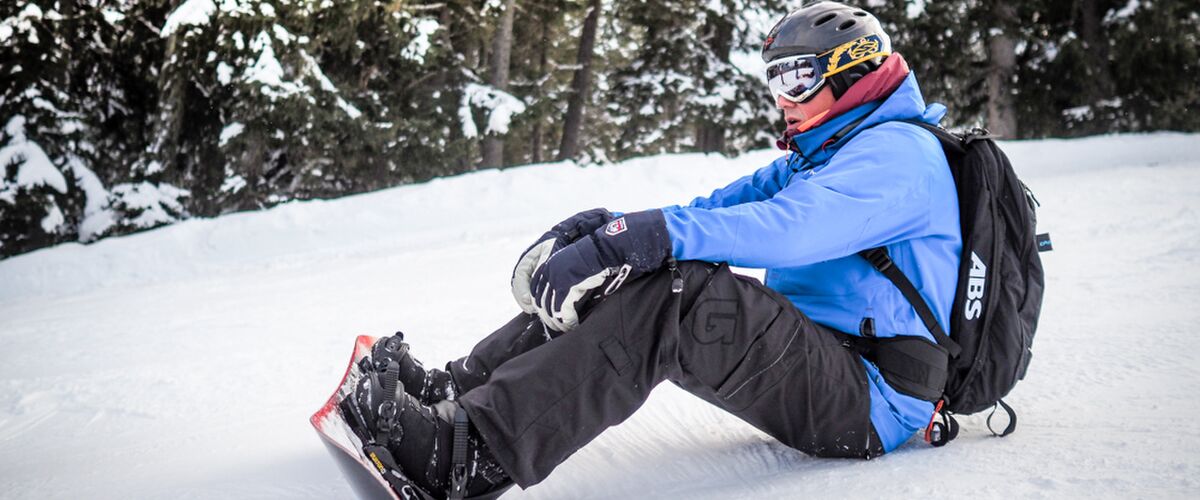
(811, 122)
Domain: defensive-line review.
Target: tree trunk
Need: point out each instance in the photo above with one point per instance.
(581, 84)
(1100, 81)
(493, 146)
(168, 117)
(710, 132)
(1002, 65)
(535, 155)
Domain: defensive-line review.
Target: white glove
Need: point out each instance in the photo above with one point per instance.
(558, 237)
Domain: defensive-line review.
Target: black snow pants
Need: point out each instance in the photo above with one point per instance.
(537, 396)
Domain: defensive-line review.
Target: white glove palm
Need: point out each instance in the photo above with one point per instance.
(562, 234)
(529, 262)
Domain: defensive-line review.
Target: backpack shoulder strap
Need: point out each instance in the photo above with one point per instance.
(950, 141)
(882, 262)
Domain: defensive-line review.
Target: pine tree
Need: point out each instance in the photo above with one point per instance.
(679, 91)
(124, 115)
(74, 104)
(1156, 57)
(38, 124)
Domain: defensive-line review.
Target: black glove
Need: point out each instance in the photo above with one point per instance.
(623, 249)
(562, 234)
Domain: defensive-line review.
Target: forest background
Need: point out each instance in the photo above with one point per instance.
(123, 115)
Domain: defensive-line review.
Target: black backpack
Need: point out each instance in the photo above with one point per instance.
(1000, 283)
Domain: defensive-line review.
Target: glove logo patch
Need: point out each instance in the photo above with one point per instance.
(615, 227)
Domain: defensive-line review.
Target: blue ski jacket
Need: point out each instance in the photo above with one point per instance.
(804, 217)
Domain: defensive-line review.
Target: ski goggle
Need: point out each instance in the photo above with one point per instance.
(797, 78)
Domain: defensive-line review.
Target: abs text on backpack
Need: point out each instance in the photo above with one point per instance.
(1000, 284)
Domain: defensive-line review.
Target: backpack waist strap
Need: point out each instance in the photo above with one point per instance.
(911, 365)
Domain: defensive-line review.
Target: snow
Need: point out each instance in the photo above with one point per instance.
(314, 70)
(112, 16)
(493, 5)
(191, 13)
(229, 132)
(718, 97)
(1078, 112)
(749, 62)
(1123, 13)
(282, 34)
(31, 11)
(151, 200)
(224, 73)
(267, 70)
(915, 9)
(95, 224)
(153, 167)
(419, 45)
(22, 23)
(97, 217)
(35, 168)
(237, 8)
(45, 105)
(501, 104)
(348, 108)
(185, 361)
(1085, 112)
(53, 219)
(233, 184)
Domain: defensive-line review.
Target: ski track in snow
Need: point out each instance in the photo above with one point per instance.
(184, 362)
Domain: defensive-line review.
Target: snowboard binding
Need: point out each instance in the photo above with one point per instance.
(429, 386)
(374, 407)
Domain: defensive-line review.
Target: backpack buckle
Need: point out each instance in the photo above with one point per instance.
(929, 428)
(879, 258)
(940, 433)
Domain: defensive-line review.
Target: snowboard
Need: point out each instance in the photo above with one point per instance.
(346, 448)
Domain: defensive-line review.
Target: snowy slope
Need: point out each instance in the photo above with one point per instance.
(184, 362)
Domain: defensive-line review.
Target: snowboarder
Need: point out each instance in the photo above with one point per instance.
(613, 304)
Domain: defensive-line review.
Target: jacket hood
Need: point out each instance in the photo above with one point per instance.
(888, 94)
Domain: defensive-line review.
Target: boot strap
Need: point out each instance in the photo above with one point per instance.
(458, 460)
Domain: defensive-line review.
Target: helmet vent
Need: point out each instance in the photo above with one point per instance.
(861, 13)
(824, 19)
(846, 25)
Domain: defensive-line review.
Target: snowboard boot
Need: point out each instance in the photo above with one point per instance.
(422, 451)
(429, 386)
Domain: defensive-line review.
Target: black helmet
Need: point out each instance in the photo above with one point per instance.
(823, 27)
